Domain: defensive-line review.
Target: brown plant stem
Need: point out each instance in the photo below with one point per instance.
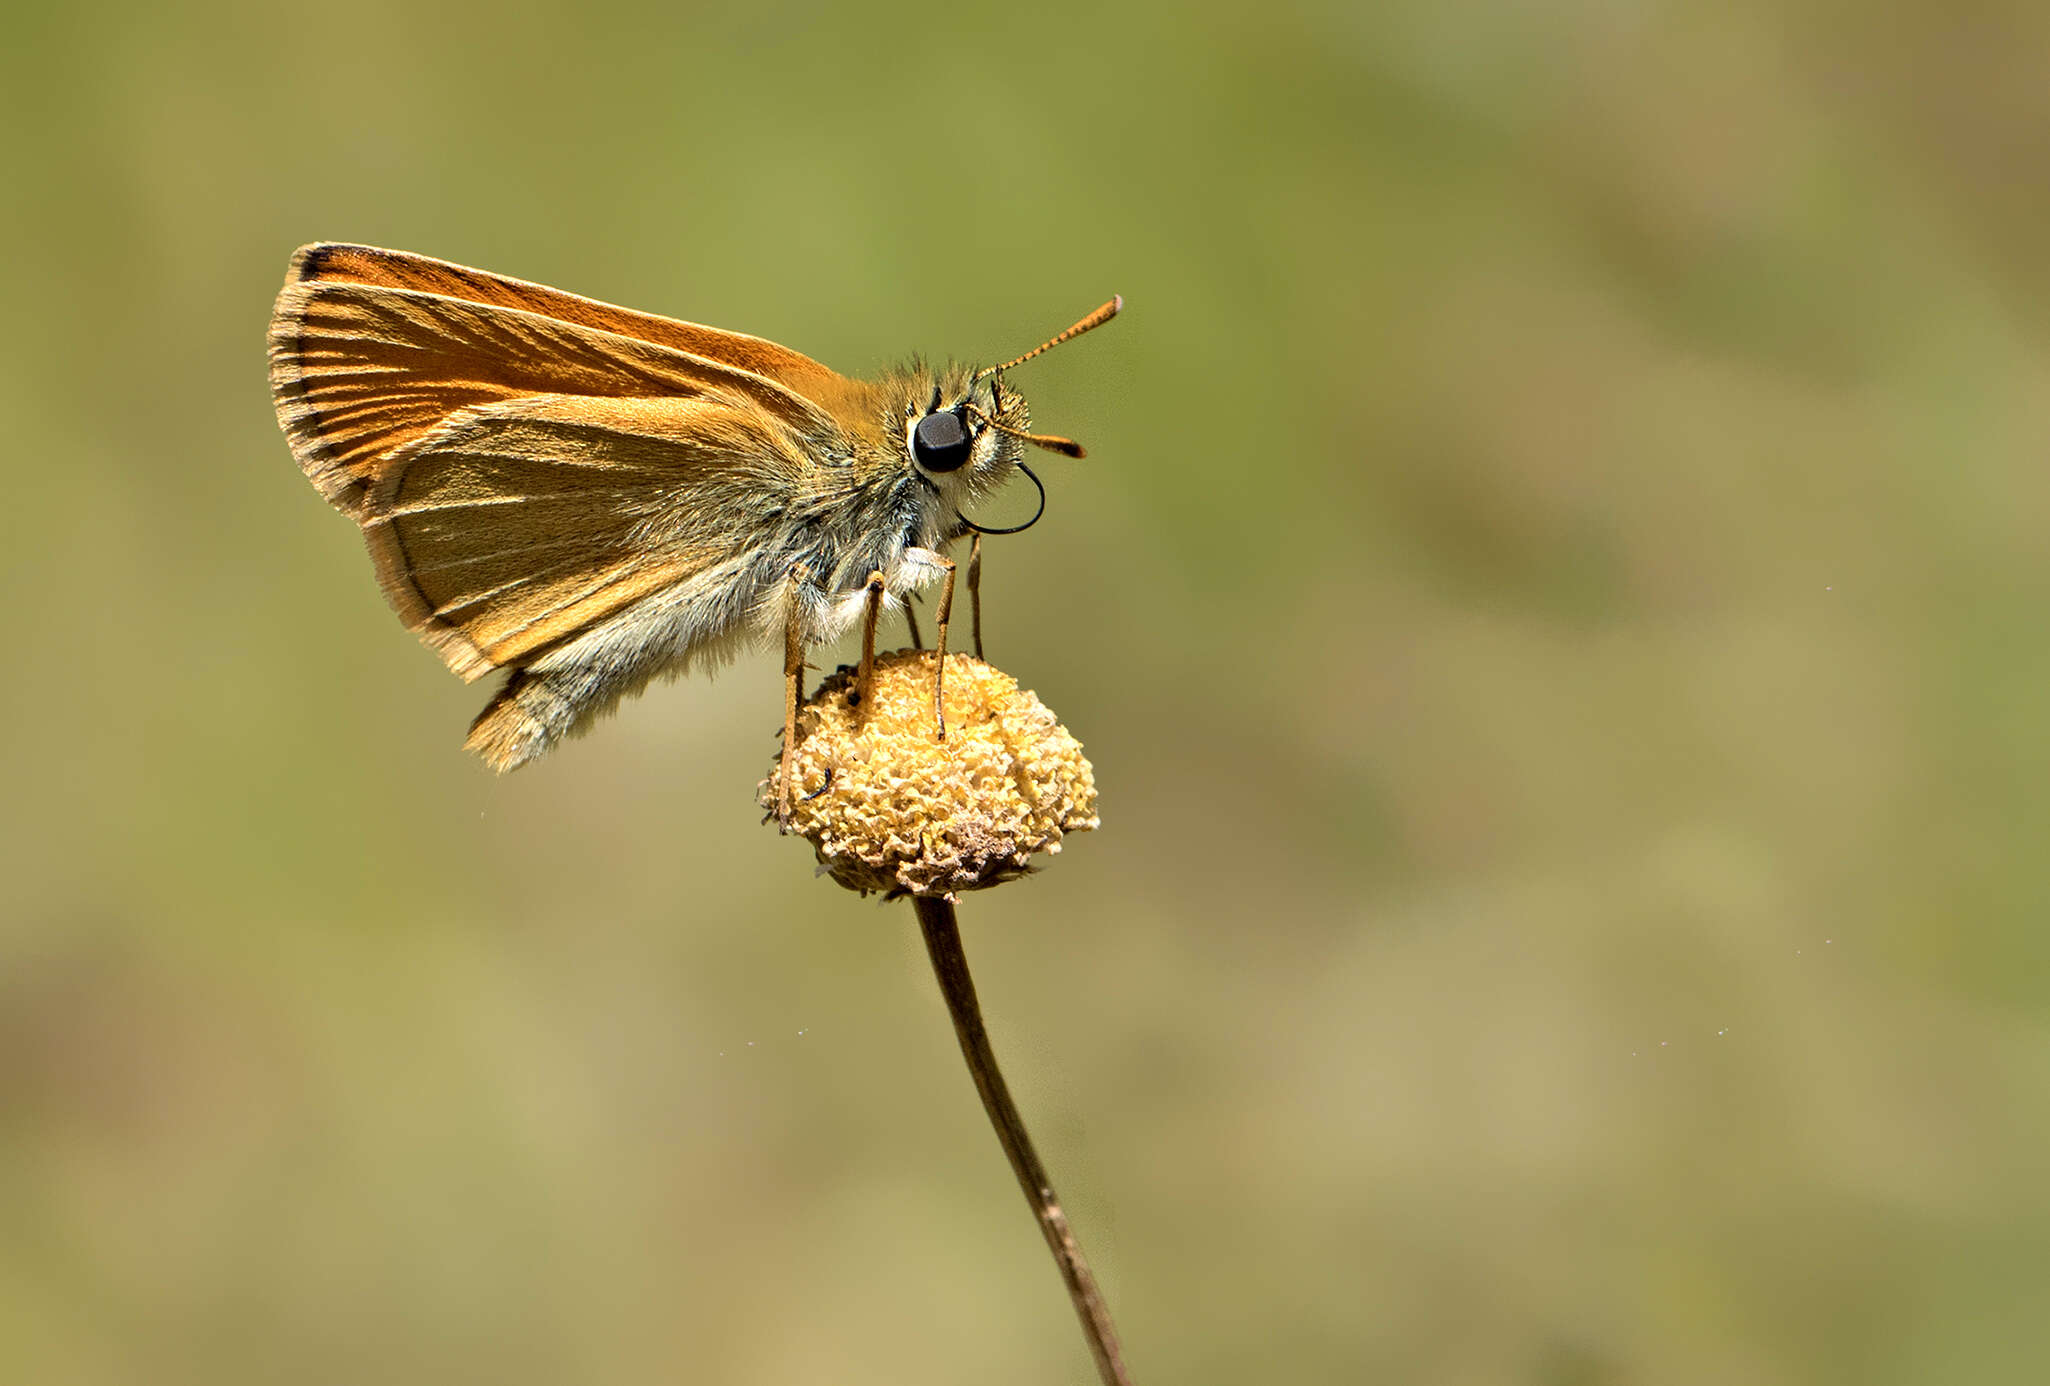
(950, 965)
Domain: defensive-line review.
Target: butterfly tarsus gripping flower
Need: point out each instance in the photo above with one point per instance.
(890, 807)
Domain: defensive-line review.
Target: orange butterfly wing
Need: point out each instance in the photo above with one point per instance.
(504, 444)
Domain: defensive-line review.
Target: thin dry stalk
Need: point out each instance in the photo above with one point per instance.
(950, 965)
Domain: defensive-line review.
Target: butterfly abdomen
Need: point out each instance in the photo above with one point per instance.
(532, 712)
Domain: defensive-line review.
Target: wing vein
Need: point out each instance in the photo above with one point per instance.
(400, 512)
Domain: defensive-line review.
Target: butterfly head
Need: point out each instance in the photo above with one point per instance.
(965, 433)
(960, 433)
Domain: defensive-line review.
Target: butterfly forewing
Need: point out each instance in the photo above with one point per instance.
(361, 264)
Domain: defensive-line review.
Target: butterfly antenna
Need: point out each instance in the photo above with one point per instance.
(1095, 319)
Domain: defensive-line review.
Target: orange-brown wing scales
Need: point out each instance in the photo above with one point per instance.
(360, 371)
(519, 525)
(361, 264)
(548, 611)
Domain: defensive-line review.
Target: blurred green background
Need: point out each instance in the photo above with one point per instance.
(1557, 603)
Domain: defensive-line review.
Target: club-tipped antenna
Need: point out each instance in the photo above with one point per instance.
(1095, 319)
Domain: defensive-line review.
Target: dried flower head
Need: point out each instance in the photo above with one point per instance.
(890, 807)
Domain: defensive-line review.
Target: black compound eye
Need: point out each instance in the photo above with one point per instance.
(941, 442)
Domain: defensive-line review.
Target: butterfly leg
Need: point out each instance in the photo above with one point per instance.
(975, 590)
(793, 687)
(911, 620)
(877, 583)
(939, 672)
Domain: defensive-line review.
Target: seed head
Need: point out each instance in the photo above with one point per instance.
(889, 807)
